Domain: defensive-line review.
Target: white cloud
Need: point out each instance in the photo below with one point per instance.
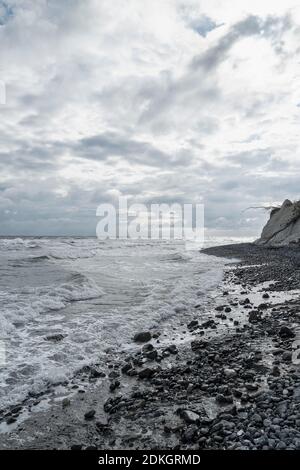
(151, 98)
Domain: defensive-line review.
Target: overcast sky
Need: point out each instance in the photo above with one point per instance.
(158, 100)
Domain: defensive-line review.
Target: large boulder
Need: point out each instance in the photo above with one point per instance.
(283, 227)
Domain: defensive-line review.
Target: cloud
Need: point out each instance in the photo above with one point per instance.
(106, 145)
(6, 12)
(160, 101)
(270, 28)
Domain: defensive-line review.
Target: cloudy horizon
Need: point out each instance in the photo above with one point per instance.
(157, 100)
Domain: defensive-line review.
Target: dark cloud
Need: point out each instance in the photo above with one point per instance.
(251, 158)
(106, 145)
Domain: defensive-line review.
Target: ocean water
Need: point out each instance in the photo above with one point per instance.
(95, 293)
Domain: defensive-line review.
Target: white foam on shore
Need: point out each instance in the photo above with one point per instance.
(96, 295)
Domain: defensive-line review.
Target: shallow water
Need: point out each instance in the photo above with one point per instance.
(96, 294)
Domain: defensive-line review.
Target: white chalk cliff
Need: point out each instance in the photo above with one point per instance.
(283, 227)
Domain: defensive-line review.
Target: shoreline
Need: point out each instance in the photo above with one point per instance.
(234, 385)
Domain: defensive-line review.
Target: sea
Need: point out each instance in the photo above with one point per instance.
(66, 302)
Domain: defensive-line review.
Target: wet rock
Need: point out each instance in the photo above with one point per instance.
(101, 426)
(172, 349)
(113, 374)
(95, 374)
(147, 348)
(11, 420)
(89, 414)
(151, 355)
(254, 316)
(55, 338)
(189, 435)
(132, 372)
(224, 400)
(114, 385)
(197, 345)
(281, 445)
(146, 373)
(263, 306)
(209, 324)
(66, 402)
(237, 393)
(230, 373)
(142, 337)
(251, 387)
(16, 409)
(192, 324)
(188, 416)
(287, 356)
(126, 368)
(256, 418)
(219, 308)
(286, 332)
(277, 352)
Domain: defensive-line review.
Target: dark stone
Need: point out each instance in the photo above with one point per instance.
(96, 373)
(208, 324)
(55, 338)
(189, 435)
(286, 332)
(192, 324)
(11, 420)
(152, 355)
(196, 345)
(114, 385)
(189, 417)
(263, 306)
(16, 409)
(277, 351)
(287, 356)
(147, 348)
(256, 418)
(126, 368)
(224, 400)
(172, 349)
(89, 414)
(132, 372)
(142, 337)
(275, 371)
(219, 308)
(146, 373)
(113, 374)
(254, 316)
